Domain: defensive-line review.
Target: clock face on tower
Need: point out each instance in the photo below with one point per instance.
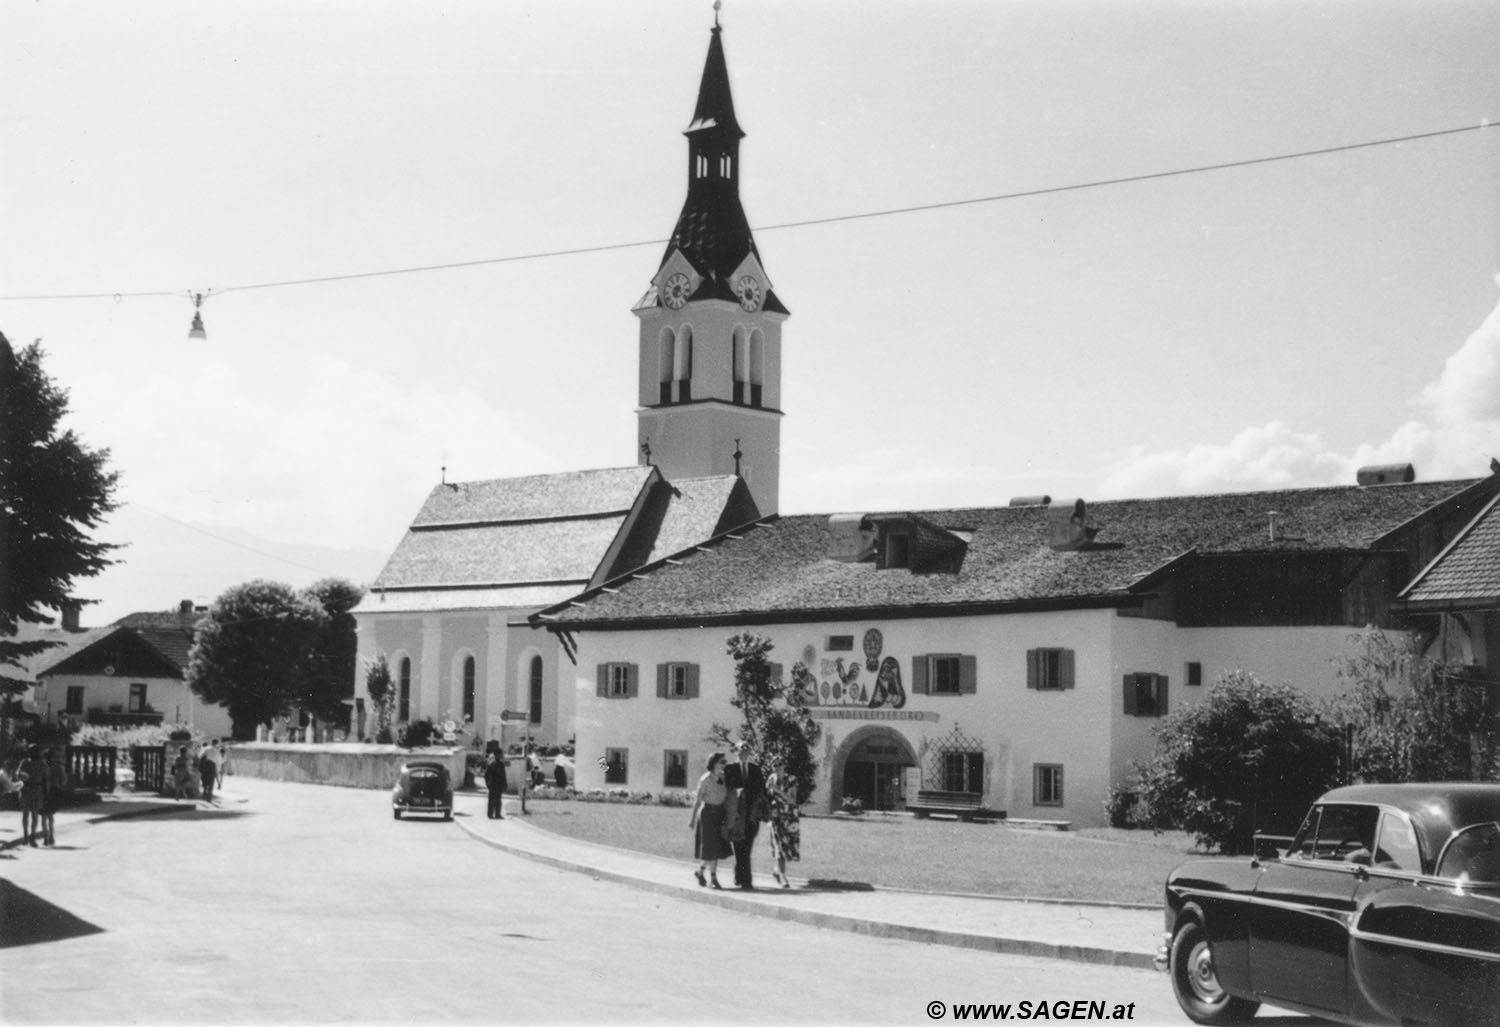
(750, 295)
(675, 290)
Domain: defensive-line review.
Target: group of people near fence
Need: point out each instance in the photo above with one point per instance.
(193, 777)
(38, 782)
(734, 797)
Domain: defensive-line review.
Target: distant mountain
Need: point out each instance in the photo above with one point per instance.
(166, 561)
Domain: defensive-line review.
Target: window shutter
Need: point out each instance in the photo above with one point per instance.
(1065, 668)
(1033, 668)
(1129, 695)
(919, 665)
(692, 681)
(603, 680)
(661, 680)
(968, 675)
(632, 680)
(1161, 695)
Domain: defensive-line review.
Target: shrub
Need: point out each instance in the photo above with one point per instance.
(1120, 807)
(1249, 757)
(416, 734)
(1411, 718)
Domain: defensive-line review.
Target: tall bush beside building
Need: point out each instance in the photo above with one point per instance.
(1250, 757)
(775, 723)
(1410, 720)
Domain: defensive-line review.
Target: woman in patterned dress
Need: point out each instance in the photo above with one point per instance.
(786, 828)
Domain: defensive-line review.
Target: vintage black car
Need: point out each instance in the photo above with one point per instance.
(1384, 909)
(423, 787)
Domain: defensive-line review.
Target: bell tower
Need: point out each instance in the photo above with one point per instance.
(710, 324)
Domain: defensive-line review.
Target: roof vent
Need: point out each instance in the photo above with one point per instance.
(851, 537)
(1067, 521)
(1386, 474)
(1030, 500)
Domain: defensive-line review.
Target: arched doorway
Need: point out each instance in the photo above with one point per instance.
(874, 771)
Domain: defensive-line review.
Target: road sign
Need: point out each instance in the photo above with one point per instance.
(449, 726)
(513, 715)
(449, 736)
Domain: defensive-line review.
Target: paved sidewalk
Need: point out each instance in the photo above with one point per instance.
(1110, 935)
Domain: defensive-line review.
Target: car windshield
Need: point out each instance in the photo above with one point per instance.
(1473, 855)
(421, 773)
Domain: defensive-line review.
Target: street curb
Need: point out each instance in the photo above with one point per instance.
(835, 921)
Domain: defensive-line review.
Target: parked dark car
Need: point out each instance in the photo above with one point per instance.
(1384, 909)
(423, 787)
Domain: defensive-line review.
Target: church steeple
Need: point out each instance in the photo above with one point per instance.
(710, 383)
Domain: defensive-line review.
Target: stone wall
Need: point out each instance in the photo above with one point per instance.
(350, 764)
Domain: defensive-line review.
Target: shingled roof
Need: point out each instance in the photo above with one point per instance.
(1467, 573)
(525, 542)
(781, 567)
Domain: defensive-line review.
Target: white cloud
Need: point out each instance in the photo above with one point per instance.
(1455, 439)
(334, 455)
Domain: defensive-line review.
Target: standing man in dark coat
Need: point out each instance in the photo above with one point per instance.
(749, 782)
(494, 783)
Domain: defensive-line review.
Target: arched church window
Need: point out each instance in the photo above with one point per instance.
(469, 687)
(403, 690)
(536, 690)
(665, 364)
(740, 351)
(684, 369)
(757, 366)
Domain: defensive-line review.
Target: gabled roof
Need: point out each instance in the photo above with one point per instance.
(133, 652)
(1467, 572)
(520, 543)
(780, 568)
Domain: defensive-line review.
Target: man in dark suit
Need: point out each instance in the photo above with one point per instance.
(747, 780)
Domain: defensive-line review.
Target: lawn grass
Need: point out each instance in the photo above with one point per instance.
(1091, 865)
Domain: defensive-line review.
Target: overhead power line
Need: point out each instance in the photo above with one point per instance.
(833, 219)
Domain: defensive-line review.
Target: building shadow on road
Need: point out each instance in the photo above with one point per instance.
(191, 813)
(833, 884)
(27, 919)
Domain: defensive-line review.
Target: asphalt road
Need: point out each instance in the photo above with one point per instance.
(308, 904)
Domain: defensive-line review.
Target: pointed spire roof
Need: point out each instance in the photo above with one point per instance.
(715, 108)
(712, 231)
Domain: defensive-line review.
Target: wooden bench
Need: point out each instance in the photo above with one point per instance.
(963, 805)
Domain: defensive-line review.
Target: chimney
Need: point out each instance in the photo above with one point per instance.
(1067, 525)
(185, 613)
(1386, 474)
(70, 615)
(851, 537)
(1271, 519)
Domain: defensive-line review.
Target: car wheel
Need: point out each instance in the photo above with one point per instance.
(1195, 984)
(447, 814)
(396, 813)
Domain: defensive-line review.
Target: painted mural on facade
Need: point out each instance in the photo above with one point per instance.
(837, 680)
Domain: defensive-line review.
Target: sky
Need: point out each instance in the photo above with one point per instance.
(972, 317)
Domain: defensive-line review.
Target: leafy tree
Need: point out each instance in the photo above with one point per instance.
(253, 650)
(330, 676)
(775, 722)
(1249, 757)
(1410, 719)
(382, 691)
(53, 491)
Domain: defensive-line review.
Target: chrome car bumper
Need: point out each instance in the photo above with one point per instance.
(1163, 958)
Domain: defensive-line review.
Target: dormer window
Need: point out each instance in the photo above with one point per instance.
(898, 549)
